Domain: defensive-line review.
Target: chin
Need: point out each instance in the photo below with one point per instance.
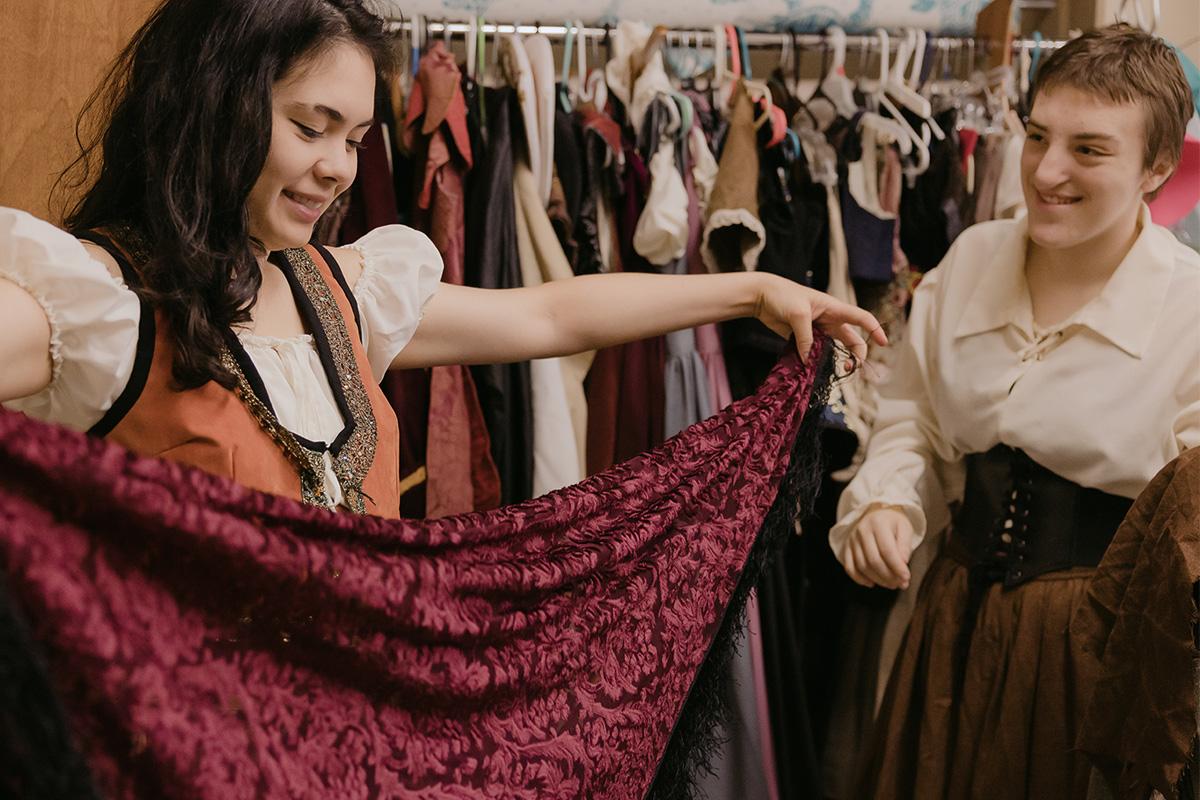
(291, 236)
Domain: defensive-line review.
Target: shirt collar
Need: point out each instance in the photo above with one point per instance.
(1001, 296)
(1124, 312)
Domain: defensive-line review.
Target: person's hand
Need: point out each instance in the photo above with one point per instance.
(878, 549)
(788, 309)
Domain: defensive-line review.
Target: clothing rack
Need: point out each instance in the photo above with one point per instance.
(704, 37)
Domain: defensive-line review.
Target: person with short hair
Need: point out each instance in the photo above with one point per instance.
(1052, 367)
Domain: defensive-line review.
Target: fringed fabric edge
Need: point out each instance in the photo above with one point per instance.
(697, 736)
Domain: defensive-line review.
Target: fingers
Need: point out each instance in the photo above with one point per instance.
(877, 551)
(835, 313)
(890, 552)
(875, 568)
(848, 335)
(802, 330)
(854, 560)
(904, 535)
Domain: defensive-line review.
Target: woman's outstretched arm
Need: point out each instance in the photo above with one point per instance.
(462, 325)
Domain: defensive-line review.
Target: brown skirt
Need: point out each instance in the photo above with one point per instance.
(1009, 730)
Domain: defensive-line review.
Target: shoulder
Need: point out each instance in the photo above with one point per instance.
(1183, 291)
(350, 261)
(392, 250)
(102, 257)
(975, 253)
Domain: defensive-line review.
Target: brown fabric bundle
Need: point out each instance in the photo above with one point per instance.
(1137, 624)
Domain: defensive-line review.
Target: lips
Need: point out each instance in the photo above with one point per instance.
(305, 208)
(1057, 199)
(308, 200)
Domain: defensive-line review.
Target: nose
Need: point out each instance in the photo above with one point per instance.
(337, 164)
(1052, 167)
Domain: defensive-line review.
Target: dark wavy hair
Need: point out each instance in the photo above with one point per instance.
(182, 125)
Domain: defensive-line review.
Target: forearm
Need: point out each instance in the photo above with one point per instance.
(24, 345)
(595, 311)
(463, 325)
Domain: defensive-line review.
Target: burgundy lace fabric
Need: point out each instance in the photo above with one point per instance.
(208, 641)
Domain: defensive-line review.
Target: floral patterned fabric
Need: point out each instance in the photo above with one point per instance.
(208, 641)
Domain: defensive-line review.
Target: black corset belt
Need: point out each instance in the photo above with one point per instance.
(1019, 520)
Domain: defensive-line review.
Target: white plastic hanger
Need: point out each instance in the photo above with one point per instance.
(902, 93)
(916, 139)
(472, 44)
(836, 86)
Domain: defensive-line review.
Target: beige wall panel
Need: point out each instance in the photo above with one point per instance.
(52, 55)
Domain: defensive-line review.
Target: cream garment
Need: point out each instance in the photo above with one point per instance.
(1105, 398)
(541, 65)
(559, 403)
(1010, 197)
(661, 233)
(629, 38)
(704, 167)
(514, 62)
(94, 327)
(844, 394)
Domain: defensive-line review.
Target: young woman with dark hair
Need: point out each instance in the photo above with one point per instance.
(192, 320)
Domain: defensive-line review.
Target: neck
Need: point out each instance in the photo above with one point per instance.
(1087, 262)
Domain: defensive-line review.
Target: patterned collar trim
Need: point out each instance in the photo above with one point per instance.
(353, 458)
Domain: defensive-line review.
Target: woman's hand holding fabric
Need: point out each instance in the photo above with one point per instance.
(790, 309)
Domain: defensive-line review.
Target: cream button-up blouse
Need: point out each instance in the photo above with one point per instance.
(1106, 398)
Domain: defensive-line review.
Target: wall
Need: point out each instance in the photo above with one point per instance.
(52, 55)
(1179, 22)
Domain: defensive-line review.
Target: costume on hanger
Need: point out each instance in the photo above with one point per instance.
(625, 388)
(461, 475)
(359, 655)
(930, 210)
(984, 691)
(733, 234)
(493, 262)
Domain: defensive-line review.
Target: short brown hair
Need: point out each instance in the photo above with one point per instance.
(1124, 64)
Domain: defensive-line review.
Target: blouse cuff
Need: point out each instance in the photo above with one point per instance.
(93, 319)
(401, 271)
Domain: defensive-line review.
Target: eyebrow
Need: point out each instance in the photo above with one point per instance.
(1102, 137)
(332, 113)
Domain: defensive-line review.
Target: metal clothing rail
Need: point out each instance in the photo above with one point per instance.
(706, 37)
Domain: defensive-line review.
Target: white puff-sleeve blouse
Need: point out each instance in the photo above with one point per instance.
(94, 320)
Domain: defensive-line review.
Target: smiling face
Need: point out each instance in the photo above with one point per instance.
(1083, 170)
(320, 112)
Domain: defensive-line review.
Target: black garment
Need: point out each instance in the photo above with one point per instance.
(869, 239)
(599, 179)
(493, 262)
(930, 217)
(795, 213)
(568, 158)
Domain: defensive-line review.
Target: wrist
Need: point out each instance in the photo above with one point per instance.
(759, 286)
